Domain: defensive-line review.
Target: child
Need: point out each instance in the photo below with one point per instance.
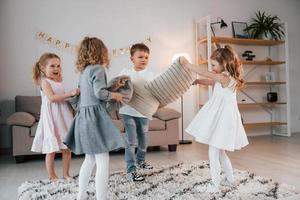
(56, 116)
(218, 123)
(92, 131)
(136, 125)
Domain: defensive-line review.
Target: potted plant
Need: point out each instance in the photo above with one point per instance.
(265, 26)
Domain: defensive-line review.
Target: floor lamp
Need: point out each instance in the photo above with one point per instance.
(182, 141)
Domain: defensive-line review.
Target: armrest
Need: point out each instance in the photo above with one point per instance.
(21, 119)
(167, 114)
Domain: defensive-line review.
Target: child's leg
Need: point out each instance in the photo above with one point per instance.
(226, 164)
(101, 179)
(215, 168)
(84, 175)
(130, 142)
(50, 166)
(66, 160)
(142, 126)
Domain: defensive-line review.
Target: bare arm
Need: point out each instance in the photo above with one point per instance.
(47, 89)
(222, 78)
(204, 82)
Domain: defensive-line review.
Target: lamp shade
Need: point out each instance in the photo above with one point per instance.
(223, 24)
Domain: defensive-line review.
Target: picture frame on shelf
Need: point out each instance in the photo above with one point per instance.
(238, 30)
(269, 76)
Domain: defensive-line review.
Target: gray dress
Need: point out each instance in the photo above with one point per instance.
(92, 130)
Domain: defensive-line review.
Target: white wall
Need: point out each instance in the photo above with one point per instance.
(121, 23)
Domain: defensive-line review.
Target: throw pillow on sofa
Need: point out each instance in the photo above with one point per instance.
(21, 119)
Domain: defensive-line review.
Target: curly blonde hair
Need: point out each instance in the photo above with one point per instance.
(227, 57)
(91, 51)
(37, 72)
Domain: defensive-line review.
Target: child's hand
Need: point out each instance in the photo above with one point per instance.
(75, 92)
(120, 83)
(122, 80)
(196, 82)
(117, 96)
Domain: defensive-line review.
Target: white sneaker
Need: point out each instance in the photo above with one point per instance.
(225, 182)
(211, 188)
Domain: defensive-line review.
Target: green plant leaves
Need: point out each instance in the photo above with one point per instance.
(264, 25)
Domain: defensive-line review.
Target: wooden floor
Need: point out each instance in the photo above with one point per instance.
(270, 156)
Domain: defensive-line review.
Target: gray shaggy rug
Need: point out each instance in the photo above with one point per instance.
(181, 181)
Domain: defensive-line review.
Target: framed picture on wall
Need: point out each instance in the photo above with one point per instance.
(238, 30)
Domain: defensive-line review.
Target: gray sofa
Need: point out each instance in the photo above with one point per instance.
(163, 128)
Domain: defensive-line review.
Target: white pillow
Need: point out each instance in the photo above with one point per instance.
(142, 100)
(171, 84)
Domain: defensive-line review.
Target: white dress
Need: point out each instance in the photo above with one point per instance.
(219, 122)
(54, 123)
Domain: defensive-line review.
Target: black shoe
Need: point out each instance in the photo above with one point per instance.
(144, 165)
(133, 176)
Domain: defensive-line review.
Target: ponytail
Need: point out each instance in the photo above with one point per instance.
(227, 57)
(36, 73)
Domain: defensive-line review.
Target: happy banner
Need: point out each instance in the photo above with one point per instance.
(69, 47)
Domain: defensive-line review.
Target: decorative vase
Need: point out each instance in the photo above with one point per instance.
(272, 96)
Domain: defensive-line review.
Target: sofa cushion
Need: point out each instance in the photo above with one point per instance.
(33, 129)
(167, 114)
(21, 119)
(29, 104)
(171, 84)
(157, 125)
(142, 100)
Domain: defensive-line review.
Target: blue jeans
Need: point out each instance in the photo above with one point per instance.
(136, 130)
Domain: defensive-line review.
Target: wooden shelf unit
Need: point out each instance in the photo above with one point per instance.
(254, 62)
(250, 105)
(239, 41)
(255, 104)
(278, 112)
(262, 62)
(265, 82)
(264, 124)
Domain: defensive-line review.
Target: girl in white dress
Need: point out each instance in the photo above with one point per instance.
(218, 123)
(56, 116)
